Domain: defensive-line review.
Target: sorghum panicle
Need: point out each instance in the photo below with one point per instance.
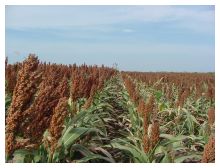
(26, 86)
(211, 116)
(209, 151)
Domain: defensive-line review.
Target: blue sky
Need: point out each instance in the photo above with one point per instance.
(137, 38)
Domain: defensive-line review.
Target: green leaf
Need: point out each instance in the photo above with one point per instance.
(173, 138)
(159, 149)
(166, 158)
(162, 106)
(83, 150)
(94, 157)
(20, 155)
(170, 139)
(158, 95)
(73, 134)
(106, 153)
(182, 158)
(37, 158)
(90, 155)
(137, 154)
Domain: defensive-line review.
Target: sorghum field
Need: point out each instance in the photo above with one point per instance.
(74, 114)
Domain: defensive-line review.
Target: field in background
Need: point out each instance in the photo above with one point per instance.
(60, 113)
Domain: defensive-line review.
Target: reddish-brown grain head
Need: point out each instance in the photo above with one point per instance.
(211, 116)
(26, 86)
(209, 151)
(155, 134)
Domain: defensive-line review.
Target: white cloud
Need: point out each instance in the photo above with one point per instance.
(22, 17)
(17, 53)
(128, 30)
